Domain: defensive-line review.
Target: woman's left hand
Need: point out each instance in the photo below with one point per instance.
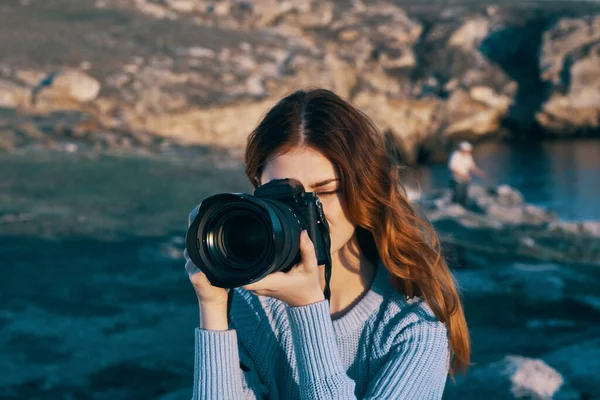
(300, 286)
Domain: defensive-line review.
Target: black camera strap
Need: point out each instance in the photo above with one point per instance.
(229, 301)
(327, 238)
(327, 290)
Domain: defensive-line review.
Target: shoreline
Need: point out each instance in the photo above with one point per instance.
(500, 215)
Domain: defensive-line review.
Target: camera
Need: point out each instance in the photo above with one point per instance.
(237, 238)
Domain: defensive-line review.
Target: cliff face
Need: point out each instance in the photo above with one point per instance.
(108, 74)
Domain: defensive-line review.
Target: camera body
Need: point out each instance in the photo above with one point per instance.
(237, 238)
(307, 208)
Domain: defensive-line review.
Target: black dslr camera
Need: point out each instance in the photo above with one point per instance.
(237, 238)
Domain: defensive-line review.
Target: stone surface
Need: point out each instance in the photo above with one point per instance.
(514, 377)
(570, 55)
(428, 76)
(498, 220)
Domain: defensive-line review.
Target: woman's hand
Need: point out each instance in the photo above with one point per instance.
(299, 286)
(211, 299)
(205, 291)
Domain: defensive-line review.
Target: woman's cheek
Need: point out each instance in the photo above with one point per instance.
(333, 214)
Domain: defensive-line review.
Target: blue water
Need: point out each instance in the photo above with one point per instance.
(562, 176)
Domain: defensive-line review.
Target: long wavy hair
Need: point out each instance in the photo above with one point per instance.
(387, 226)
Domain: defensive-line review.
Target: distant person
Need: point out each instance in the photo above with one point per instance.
(461, 167)
(391, 327)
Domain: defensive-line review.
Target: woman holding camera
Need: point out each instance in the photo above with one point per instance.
(393, 327)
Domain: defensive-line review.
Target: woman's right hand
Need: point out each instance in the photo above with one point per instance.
(211, 299)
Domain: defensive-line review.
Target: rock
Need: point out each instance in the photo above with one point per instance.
(536, 216)
(569, 61)
(504, 204)
(30, 130)
(183, 6)
(514, 377)
(65, 89)
(476, 113)
(198, 51)
(117, 80)
(12, 218)
(71, 148)
(155, 10)
(581, 363)
(489, 97)
(7, 140)
(13, 95)
(500, 222)
(506, 215)
(573, 228)
(470, 34)
(427, 77)
(348, 35)
(591, 228)
(508, 196)
(409, 121)
(7, 97)
(255, 86)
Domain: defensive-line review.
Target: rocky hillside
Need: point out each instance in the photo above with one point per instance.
(145, 74)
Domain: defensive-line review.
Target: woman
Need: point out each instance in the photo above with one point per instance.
(393, 326)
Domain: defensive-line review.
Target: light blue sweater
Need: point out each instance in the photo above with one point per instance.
(385, 347)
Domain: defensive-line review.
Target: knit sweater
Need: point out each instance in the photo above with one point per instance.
(384, 347)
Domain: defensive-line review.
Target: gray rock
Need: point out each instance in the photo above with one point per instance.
(569, 61)
(427, 75)
(513, 377)
(591, 228)
(500, 221)
(580, 363)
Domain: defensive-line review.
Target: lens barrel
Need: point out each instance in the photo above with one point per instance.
(237, 239)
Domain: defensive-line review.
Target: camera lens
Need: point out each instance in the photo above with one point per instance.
(243, 236)
(237, 239)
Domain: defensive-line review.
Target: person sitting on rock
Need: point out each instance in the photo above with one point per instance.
(461, 166)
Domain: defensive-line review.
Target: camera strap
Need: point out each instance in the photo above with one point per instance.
(327, 290)
(229, 301)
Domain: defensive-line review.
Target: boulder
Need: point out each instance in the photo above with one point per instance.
(581, 363)
(427, 76)
(513, 377)
(65, 90)
(569, 60)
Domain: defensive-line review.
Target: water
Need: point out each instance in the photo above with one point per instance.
(562, 176)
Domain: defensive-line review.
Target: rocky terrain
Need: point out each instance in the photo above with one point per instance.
(145, 75)
(498, 221)
(96, 304)
(543, 314)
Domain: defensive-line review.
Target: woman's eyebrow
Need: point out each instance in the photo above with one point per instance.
(323, 183)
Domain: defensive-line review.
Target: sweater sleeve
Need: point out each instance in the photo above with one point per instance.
(218, 373)
(416, 367)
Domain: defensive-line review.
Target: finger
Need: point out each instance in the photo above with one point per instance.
(193, 214)
(307, 251)
(191, 268)
(269, 282)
